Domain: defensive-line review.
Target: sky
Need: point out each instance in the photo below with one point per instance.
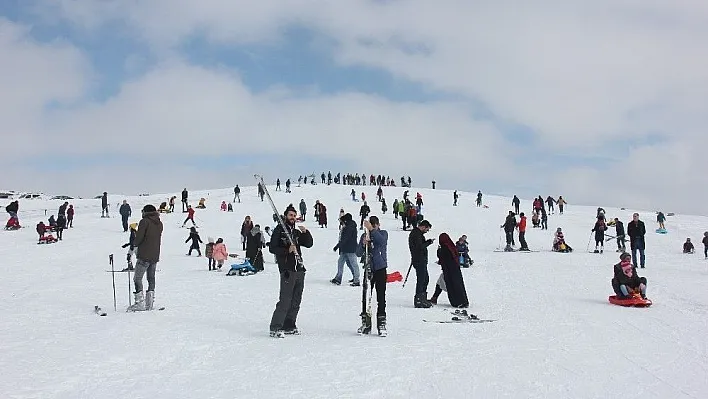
(603, 102)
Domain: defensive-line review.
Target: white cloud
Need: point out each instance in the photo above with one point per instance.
(581, 75)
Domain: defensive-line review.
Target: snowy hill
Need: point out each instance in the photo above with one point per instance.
(556, 336)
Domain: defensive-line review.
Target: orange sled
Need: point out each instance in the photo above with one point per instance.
(635, 301)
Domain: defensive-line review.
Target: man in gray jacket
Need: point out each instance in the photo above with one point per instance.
(147, 243)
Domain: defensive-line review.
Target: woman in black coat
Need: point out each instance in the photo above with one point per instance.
(254, 244)
(449, 260)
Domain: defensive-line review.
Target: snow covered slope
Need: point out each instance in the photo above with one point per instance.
(556, 334)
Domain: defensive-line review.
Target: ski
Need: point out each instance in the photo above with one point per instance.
(365, 314)
(137, 311)
(460, 320)
(99, 311)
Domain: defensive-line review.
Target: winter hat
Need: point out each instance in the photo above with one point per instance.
(210, 240)
(425, 223)
(149, 208)
(347, 217)
(133, 226)
(290, 208)
(625, 255)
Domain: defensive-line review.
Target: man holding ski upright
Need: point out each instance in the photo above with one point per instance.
(292, 273)
(377, 242)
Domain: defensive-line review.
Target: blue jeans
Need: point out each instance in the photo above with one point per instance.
(351, 261)
(641, 254)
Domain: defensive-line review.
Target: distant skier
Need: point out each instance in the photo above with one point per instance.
(125, 213)
(292, 274)
(190, 216)
(599, 230)
(522, 233)
(104, 205)
(619, 232)
(237, 194)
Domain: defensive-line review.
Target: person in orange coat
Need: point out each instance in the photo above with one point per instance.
(522, 233)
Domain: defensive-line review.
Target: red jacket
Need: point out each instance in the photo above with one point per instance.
(190, 212)
(522, 224)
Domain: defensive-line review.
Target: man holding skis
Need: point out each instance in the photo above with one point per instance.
(292, 273)
(377, 242)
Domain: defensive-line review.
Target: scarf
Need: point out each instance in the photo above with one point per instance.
(627, 268)
(446, 242)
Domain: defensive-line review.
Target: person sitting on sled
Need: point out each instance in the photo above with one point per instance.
(626, 283)
(688, 247)
(41, 229)
(559, 244)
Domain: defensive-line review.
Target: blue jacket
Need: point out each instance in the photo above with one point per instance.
(347, 239)
(379, 244)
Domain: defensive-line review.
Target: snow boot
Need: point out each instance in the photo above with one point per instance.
(365, 327)
(335, 281)
(277, 334)
(421, 302)
(381, 325)
(149, 300)
(139, 304)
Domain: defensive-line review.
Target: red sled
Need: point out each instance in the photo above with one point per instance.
(635, 301)
(393, 277)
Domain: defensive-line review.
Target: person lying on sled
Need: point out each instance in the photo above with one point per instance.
(626, 282)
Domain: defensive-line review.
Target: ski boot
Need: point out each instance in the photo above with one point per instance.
(277, 334)
(365, 327)
(421, 302)
(149, 300)
(139, 304)
(381, 325)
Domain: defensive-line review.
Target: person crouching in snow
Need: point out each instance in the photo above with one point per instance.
(224, 207)
(559, 244)
(41, 229)
(220, 253)
(209, 253)
(194, 236)
(452, 281)
(626, 283)
(688, 247)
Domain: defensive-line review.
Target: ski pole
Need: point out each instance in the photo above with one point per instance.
(407, 274)
(130, 290)
(589, 239)
(113, 276)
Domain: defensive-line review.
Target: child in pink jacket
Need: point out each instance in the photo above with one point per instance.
(220, 253)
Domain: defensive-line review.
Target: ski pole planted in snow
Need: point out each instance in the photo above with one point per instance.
(113, 276)
(130, 291)
(407, 274)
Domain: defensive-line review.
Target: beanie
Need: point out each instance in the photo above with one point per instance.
(149, 208)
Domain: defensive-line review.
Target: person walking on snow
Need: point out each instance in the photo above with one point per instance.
(418, 246)
(636, 231)
(277, 185)
(347, 251)
(147, 241)
(70, 216)
(364, 213)
(550, 201)
(237, 194)
(599, 230)
(303, 208)
(190, 216)
(522, 233)
(246, 227)
(561, 203)
(196, 240)
(104, 205)
(516, 202)
(455, 196)
(185, 199)
(220, 253)
(377, 243)
(62, 208)
(619, 231)
(125, 213)
(705, 244)
(292, 273)
(479, 198)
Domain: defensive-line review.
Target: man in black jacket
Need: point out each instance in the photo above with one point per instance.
(292, 273)
(509, 226)
(364, 213)
(636, 232)
(237, 194)
(347, 251)
(619, 230)
(104, 205)
(185, 199)
(125, 213)
(418, 246)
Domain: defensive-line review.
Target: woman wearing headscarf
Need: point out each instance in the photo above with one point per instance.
(448, 258)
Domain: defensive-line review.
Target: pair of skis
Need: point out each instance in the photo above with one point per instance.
(97, 309)
(461, 316)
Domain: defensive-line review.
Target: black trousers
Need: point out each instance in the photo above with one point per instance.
(378, 281)
(509, 237)
(522, 239)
